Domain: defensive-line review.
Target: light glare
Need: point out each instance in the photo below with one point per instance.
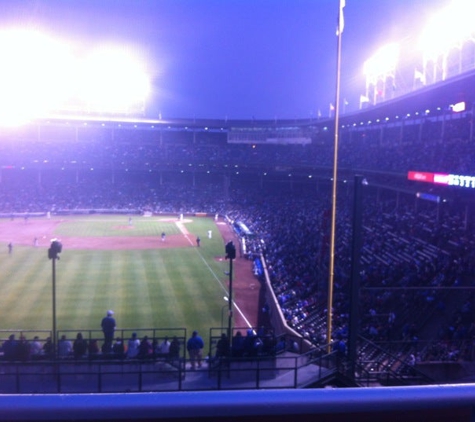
(448, 28)
(383, 61)
(40, 75)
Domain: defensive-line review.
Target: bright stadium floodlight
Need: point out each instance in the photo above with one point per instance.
(448, 28)
(41, 74)
(113, 80)
(34, 76)
(377, 69)
(384, 61)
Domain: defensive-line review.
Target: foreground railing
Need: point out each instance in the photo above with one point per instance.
(114, 376)
(411, 404)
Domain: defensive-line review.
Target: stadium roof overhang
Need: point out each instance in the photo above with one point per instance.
(454, 90)
(440, 95)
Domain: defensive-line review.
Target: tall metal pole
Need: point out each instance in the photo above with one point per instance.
(355, 274)
(230, 254)
(331, 265)
(230, 303)
(53, 254)
(53, 337)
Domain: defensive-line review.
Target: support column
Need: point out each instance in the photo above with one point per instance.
(355, 274)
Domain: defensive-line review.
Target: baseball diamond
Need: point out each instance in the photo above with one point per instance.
(107, 263)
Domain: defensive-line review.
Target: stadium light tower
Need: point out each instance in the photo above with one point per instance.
(230, 250)
(114, 80)
(447, 30)
(34, 76)
(53, 254)
(43, 74)
(378, 69)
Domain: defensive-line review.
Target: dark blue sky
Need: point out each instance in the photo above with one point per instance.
(235, 58)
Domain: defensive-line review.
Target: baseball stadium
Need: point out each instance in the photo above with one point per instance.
(308, 255)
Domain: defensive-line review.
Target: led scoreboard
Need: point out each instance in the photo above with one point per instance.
(442, 179)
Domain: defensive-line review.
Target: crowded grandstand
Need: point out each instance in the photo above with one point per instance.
(416, 264)
(402, 293)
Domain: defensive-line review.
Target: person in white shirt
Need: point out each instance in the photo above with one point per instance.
(133, 346)
(163, 348)
(65, 347)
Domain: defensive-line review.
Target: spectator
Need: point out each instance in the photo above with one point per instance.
(108, 328)
(118, 349)
(23, 349)
(65, 347)
(10, 348)
(237, 347)
(222, 347)
(35, 348)
(48, 349)
(93, 349)
(174, 350)
(250, 347)
(79, 347)
(195, 346)
(133, 346)
(163, 349)
(145, 349)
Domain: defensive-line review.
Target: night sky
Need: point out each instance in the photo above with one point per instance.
(236, 59)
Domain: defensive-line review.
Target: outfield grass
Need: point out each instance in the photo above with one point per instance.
(110, 226)
(159, 288)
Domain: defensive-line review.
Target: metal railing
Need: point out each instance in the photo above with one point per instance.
(161, 374)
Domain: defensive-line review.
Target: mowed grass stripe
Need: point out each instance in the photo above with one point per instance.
(24, 292)
(107, 227)
(140, 313)
(37, 296)
(184, 292)
(79, 277)
(156, 274)
(199, 290)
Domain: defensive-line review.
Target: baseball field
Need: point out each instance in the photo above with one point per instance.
(121, 263)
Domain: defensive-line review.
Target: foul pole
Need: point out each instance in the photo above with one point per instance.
(331, 265)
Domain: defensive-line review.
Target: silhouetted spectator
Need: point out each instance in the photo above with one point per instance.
(118, 349)
(145, 349)
(108, 328)
(237, 347)
(48, 349)
(10, 348)
(250, 348)
(222, 347)
(93, 349)
(79, 346)
(23, 349)
(174, 349)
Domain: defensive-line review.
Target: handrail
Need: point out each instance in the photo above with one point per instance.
(162, 374)
(453, 402)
